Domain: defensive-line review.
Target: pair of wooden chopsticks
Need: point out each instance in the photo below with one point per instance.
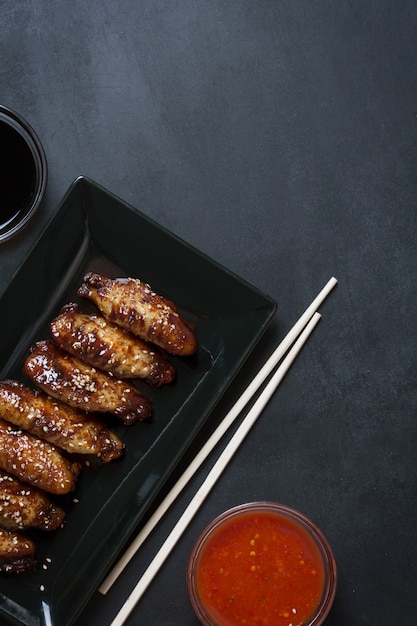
(296, 338)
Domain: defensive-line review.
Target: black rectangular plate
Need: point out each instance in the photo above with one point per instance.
(93, 230)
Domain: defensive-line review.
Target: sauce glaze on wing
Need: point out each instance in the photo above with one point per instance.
(66, 378)
(132, 304)
(17, 553)
(24, 506)
(35, 461)
(62, 425)
(107, 346)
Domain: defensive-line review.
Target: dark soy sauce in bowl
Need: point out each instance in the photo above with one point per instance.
(18, 175)
(22, 173)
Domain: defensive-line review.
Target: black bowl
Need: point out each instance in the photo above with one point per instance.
(23, 173)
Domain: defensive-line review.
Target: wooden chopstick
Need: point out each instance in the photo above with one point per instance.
(213, 476)
(213, 440)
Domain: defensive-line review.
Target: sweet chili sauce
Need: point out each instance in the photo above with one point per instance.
(260, 566)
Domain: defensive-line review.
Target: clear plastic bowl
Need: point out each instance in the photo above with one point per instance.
(231, 583)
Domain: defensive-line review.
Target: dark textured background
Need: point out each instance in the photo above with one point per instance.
(279, 137)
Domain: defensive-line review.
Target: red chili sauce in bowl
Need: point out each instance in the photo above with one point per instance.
(261, 564)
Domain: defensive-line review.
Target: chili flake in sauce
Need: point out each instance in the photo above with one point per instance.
(260, 567)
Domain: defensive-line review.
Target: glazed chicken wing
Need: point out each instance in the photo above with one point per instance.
(35, 461)
(66, 378)
(132, 304)
(25, 506)
(109, 347)
(17, 553)
(62, 425)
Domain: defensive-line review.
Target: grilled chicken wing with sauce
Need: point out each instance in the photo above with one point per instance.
(35, 461)
(17, 553)
(64, 426)
(24, 506)
(132, 304)
(107, 346)
(66, 378)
